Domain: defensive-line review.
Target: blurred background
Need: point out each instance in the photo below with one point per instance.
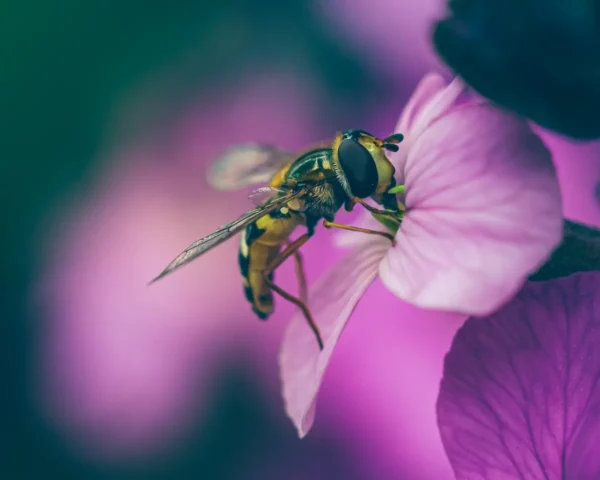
(110, 114)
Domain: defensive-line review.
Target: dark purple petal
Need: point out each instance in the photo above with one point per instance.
(520, 396)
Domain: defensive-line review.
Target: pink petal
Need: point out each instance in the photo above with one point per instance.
(334, 297)
(431, 84)
(437, 106)
(520, 396)
(484, 211)
(432, 98)
(346, 238)
(429, 100)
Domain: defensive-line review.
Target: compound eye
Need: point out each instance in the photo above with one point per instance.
(359, 168)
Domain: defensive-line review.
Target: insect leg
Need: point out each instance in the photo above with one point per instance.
(302, 306)
(371, 209)
(301, 276)
(349, 204)
(389, 236)
(288, 252)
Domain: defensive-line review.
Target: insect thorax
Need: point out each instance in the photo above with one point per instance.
(325, 199)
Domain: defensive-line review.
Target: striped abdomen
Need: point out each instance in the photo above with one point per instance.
(260, 244)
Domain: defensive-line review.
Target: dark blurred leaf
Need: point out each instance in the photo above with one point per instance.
(540, 58)
(578, 252)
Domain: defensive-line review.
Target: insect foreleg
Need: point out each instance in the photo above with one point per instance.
(350, 203)
(389, 213)
(387, 235)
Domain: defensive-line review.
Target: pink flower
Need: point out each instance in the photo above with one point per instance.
(483, 212)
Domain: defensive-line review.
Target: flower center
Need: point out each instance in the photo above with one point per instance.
(391, 220)
(392, 224)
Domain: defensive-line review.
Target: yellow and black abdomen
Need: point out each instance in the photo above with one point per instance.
(260, 244)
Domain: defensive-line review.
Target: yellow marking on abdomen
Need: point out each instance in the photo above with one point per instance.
(261, 253)
(243, 244)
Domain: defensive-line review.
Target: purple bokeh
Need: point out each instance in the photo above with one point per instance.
(126, 364)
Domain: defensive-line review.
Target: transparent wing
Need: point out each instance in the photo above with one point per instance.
(246, 165)
(263, 194)
(227, 231)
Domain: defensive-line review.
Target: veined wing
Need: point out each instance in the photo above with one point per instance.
(246, 165)
(216, 238)
(262, 195)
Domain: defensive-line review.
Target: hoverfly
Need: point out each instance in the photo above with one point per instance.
(303, 189)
